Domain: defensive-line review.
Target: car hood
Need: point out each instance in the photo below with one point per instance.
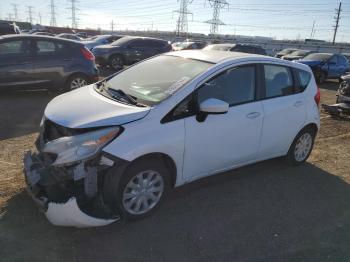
(84, 108)
(105, 47)
(310, 62)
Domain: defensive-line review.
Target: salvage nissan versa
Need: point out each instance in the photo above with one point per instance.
(113, 149)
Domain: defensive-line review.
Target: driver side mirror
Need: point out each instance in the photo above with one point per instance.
(214, 106)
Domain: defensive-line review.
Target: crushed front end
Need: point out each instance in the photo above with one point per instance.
(65, 175)
(342, 106)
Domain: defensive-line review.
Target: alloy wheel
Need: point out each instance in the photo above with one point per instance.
(78, 82)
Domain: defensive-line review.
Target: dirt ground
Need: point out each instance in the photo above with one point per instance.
(264, 212)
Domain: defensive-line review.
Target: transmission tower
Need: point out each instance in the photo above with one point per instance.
(53, 13)
(182, 22)
(15, 11)
(39, 15)
(337, 18)
(215, 21)
(30, 14)
(74, 9)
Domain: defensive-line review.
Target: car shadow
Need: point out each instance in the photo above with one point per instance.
(263, 212)
(22, 111)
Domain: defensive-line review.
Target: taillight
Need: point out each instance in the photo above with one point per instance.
(318, 96)
(87, 54)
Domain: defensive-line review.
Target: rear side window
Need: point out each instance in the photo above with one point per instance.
(278, 81)
(234, 86)
(304, 79)
(45, 47)
(137, 43)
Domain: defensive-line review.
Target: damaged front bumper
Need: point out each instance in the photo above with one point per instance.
(341, 108)
(69, 196)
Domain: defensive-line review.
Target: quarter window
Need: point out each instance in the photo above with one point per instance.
(11, 48)
(278, 81)
(304, 79)
(234, 86)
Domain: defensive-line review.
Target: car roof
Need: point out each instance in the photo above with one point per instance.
(46, 37)
(142, 37)
(215, 56)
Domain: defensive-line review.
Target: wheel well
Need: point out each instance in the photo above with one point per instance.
(312, 126)
(168, 163)
(77, 74)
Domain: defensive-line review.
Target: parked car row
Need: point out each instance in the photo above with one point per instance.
(323, 65)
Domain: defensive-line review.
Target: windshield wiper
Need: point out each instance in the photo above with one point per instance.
(119, 94)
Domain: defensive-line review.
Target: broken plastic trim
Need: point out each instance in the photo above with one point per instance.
(69, 214)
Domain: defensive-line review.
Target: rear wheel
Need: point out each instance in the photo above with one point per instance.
(116, 62)
(140, 190)
(301, 147)
(76, 81)
(321, 77)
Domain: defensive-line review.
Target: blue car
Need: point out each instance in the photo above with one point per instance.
(326, 65)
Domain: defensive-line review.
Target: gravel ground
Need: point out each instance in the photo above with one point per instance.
(263, 212)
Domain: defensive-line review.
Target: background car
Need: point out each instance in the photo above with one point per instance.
(8, 28)
(298, 54)
(326, 65)
(188, 45)
(244, 48)
(94, 41)
(43, 33)
(39, 61)
(285, 52)
(69, 36)
(128, 50)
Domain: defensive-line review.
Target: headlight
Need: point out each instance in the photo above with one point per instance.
(70, 149)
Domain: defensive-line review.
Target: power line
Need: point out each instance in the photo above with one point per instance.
(30, 14)
(15, 11)
(215, 21)
(337, 18)
(53, 13)
(182, 22)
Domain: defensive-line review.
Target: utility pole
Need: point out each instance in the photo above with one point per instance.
(215, 21)
(30, 14)
(53, 13)
(112, 25)
(337, 18)
(74, 10)
(182, 22)
(312, 30)
(15, 11)
(39, 14)
(9, 17)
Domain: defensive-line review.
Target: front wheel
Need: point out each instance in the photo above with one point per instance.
(301, 147)
(76, 81)
(140, 190)
(321, 77)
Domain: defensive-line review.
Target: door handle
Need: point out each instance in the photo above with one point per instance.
(253, 115)
(298, 103)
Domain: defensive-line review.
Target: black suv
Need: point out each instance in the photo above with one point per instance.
(129, 50)
(45, 62)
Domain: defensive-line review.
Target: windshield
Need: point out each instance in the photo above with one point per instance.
(218, 47)
(122, 41)
(183, 44)
(287, 51)
(318, 57)
(154, 80)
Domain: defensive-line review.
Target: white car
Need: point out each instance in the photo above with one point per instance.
(114, 149)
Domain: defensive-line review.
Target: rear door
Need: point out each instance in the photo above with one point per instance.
(50, 60)
(15, 66)
(333, 66)
(284, 110)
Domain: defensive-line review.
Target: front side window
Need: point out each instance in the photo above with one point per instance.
(11, 48)
(155, 79)
(234, 86)
(278, 81)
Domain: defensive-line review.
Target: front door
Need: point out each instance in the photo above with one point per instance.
(224, 140)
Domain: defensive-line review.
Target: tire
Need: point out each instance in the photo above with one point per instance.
(76, 81)
(133, 196)
(116, 62)
(301, 147)
(321, 77)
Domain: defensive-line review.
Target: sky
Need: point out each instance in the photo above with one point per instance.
(280, 19)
